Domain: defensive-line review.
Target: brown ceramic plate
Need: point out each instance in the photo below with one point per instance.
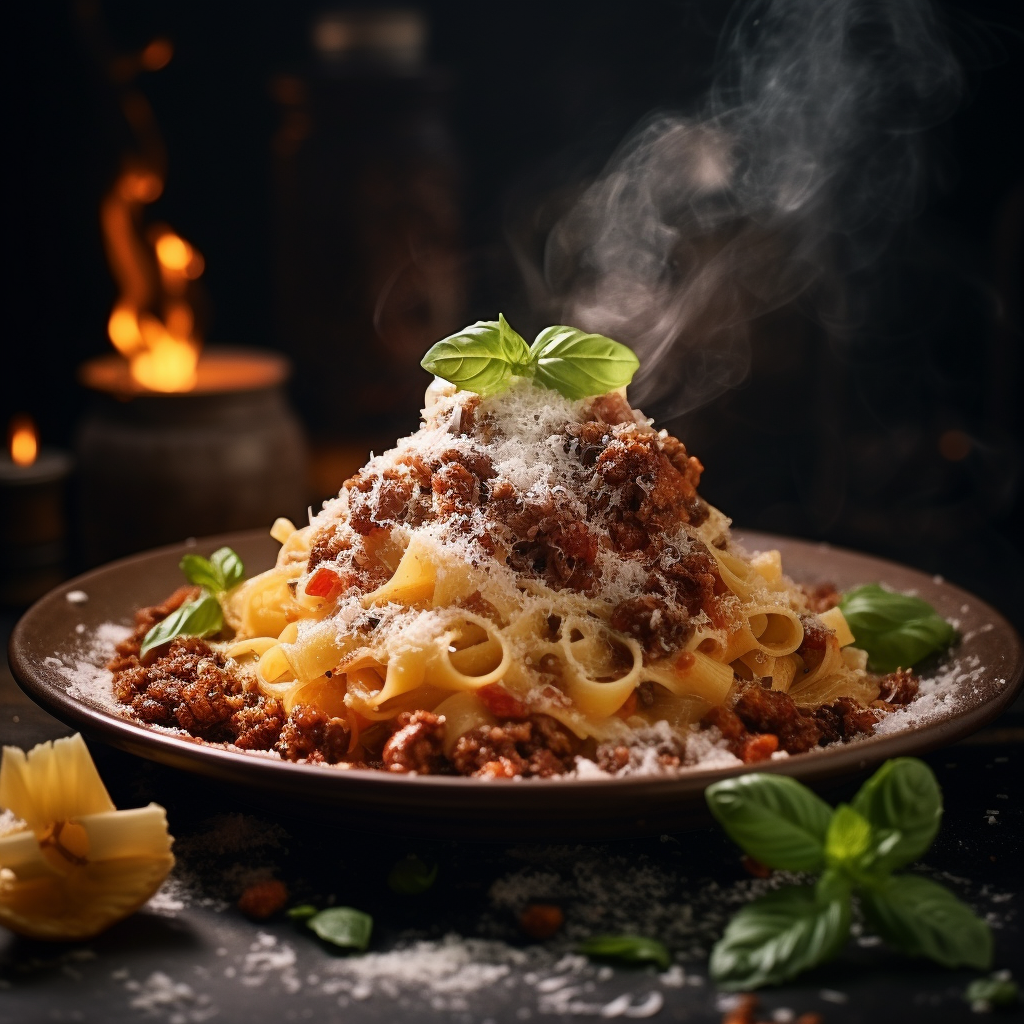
(55, 633)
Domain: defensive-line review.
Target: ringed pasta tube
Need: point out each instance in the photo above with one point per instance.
(470, 656)
(737, 575)
(778, 631)
(783, 672)
(694, 674)
(585, 645)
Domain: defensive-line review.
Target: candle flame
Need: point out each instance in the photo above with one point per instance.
(23, 441)
(152, 323)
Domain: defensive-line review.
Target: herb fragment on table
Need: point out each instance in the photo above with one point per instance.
(627, 949)
(203, 616)
(891, 821)
(896, 630)
(303, 912)
(411, 876)
(485, 356)
(998, 990)
(345, 927)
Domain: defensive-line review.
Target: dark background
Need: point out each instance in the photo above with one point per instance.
(901, 437)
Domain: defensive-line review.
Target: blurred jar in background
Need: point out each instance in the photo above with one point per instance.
(369, 269)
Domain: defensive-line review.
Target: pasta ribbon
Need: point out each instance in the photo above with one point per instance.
(412, 583)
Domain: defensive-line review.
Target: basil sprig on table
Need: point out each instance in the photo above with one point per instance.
(345, 927)
(626, 949)
(897, 631)
(488, 354)
(854, 849)
(202, 616)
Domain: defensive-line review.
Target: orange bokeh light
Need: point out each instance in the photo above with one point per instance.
(23, 441)
(157, 55)
(123, 330)
(174, 253)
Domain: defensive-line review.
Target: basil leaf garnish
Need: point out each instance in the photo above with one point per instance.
(577, 364)
(221, 571)
(774, 818)
(201, 617)
(482, 358)
(411, 876)
(229, 567)
(848, 837)
(629, 949)
(201, 572)
(779, 936)
(897, 631)
(922, 918)
(903, 803)
(488, 354)
(343, 926)
(892, 820)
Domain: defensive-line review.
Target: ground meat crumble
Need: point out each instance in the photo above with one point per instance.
(633, 488)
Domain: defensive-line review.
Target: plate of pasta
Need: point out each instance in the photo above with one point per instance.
(523, 619)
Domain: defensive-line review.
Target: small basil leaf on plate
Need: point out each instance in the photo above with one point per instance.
(994, 991)
(201, 617)
(779, 936)
(773, 818)
(228, 566)
(897, 631)
(411, 876)
(922, 918)
(578, 365)
(303, 912)
(482, 358)
(202, 572)
(903, 803)
(628, 949)
(343, 926)
(848, 837)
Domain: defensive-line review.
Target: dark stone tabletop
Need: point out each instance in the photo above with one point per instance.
(456, 953)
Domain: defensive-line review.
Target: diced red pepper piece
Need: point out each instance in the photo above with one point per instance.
(325, 583)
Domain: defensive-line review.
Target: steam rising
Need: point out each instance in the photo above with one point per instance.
(805, 155)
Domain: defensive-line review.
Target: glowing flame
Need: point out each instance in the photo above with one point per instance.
(152, 323)
(167, 365)
(23, 441)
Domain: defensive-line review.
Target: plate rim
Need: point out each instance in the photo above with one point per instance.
(369, 784)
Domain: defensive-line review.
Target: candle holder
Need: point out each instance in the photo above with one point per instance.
(33, 526)
(156, 468)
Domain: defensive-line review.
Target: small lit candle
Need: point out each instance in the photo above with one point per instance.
(33, 521)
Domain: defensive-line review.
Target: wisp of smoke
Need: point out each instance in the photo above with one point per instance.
(806, 153)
